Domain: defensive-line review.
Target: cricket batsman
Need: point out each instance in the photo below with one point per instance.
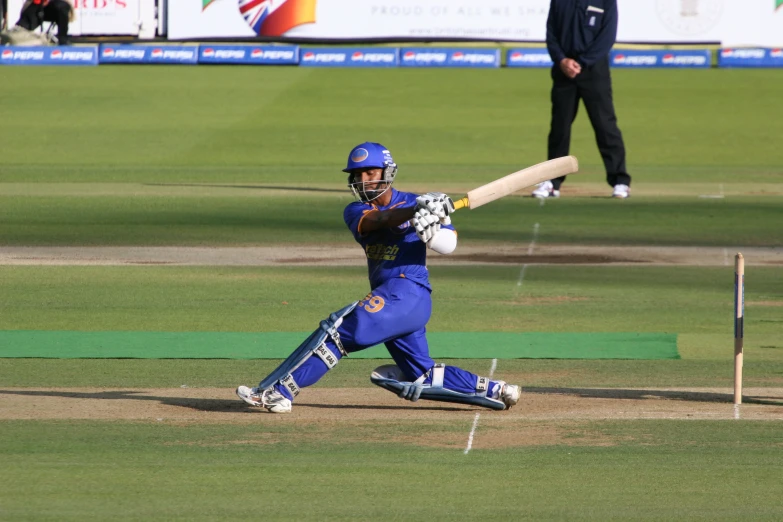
(395, 229)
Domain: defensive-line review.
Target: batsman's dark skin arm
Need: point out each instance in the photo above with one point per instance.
(378, 219)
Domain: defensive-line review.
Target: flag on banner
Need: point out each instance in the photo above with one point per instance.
(273, 17)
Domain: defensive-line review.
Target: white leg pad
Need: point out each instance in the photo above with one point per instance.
(290, 385)
(391, 378)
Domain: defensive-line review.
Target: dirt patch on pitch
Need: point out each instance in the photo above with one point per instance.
(531, 301)
(552, 259)
(544, 416)
(516, 254)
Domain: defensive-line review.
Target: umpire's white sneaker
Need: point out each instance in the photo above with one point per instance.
(509, 394)
(621, 191)
(270, 399)
(546, 190)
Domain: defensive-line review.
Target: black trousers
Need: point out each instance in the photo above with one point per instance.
(57, 11)
(593, 86)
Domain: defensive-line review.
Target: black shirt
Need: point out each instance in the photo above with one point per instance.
(584, 30)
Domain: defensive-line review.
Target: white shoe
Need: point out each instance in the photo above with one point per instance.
(270, 399)
(509, 394)
(621, 191)
(546, 190)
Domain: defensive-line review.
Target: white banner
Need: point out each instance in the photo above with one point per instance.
(731, 22)
(120, 17)
(346, 19)
(98, 17)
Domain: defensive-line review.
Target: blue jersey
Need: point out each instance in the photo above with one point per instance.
(391, 252)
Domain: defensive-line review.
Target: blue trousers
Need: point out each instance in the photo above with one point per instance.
(395, 314)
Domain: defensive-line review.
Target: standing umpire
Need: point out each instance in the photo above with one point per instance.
(579, 36)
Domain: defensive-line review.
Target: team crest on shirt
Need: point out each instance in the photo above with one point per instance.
(402, 228)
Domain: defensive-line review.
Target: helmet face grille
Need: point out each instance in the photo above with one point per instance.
(361, 193)
(390, 172)
(370, 155)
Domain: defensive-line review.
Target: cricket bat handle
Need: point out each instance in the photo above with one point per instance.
(461, 203)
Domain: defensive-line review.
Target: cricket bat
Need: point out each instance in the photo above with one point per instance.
(517, 181)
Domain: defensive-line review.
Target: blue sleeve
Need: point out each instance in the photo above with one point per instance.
(607, 35)
(552, 43)
(352, 215)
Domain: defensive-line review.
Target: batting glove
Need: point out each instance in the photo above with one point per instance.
(426, 224)
(437, 203)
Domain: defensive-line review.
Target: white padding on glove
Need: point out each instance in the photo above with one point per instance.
(426, 224)
(437, 203)
(444, 242)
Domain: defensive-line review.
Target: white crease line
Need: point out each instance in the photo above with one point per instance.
(720, 194)
(533, 242)
(530, 248)
(472, 432)
(725, 257)
(476, 419)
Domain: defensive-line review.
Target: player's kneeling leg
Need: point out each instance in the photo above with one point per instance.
(430, 386)
(281, 381)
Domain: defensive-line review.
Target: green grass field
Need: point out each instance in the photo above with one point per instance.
(251, 157)
(155, 471)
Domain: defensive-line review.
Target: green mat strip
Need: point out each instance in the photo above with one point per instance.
(277, 345)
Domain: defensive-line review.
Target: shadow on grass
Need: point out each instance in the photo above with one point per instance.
(201, 404)
(393, 408)
(691, 396)
(260, 187)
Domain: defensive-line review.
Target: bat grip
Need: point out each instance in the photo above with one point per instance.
(461, 203)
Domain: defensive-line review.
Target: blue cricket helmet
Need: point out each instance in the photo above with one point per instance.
(369, 155)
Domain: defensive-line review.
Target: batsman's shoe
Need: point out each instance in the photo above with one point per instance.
(546, 190)
(509, 394)
(621, 191)
(270, 399)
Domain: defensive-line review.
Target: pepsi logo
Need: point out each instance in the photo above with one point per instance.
(410, 55)
(209, 52)
(256, 53)
(309, 56)
(776, 53)
(57, 53)
(457, 55)
(8, 54)
(727, 52)
(516, 55)
(157, 53)
(619, 58)
(359, 155)
(108, 51)
(357, 55)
